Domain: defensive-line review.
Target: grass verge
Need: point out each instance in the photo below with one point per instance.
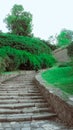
(60, 77)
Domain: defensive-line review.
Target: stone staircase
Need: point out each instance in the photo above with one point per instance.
(21, 100)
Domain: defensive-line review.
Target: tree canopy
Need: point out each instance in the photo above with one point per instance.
(65, 37)
(19, 22)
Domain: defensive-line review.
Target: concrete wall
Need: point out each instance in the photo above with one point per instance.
(61, 55)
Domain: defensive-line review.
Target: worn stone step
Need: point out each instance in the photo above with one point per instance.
(21, 101)
(21, 97)
(23, 85)
(20, 94)
(26, 117)
(41, 104)
(16, 105)
(44, 116)
(18, 89)
(24, 110)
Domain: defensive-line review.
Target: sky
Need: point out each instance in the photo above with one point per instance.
(49, 16)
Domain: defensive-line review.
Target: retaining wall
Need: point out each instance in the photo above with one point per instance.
(57, 100)
(61, 55)
(4, 77)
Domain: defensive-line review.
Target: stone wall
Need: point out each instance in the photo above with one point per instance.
(61, 55)
(4, 77)
(57, 100)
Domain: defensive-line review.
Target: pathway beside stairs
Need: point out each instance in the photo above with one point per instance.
(23, 107)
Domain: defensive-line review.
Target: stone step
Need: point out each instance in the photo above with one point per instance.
(24, 110)
(17, 105)
(18, 90)
(21, 97)
(44, 116)
(20, 94)
(20, 105)
(41, 104)
(26, 117)
(22, 101)
(17, 85)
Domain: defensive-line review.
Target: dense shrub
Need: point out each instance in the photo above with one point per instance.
(16, 58)
(33, 45)
(70, 49)
(19, 52)
(64, 64)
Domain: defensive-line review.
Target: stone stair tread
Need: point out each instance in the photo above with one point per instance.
(20, 94)
(41, 104)
(44, 115)
(26, 117)
(21, 101)
(25, 110)
(20, 97)
(17, 86)
(17, 91)
(17, 105)
(15, 119)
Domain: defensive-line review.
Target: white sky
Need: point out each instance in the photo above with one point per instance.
(49, 16)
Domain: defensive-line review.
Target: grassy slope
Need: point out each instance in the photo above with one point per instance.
(60, 77)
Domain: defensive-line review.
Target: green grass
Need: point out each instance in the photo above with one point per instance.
(60, 77)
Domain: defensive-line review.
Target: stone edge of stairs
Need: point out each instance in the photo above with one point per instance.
(63, 109)
(5, 77)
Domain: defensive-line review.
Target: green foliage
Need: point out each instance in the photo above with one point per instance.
(19, 21)
(70, 53)
(51, 46)
(64, 64)
(47, 60)
(19, 52)
(60, 77)
(65, 37)
(32, 45)
(2, 65)
(16, 58)
(70, 49)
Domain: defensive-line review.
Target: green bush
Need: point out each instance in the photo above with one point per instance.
(65, 64)
(2, 65)
(16, 58)
(70, 49)
(32, 45)
(19, 52)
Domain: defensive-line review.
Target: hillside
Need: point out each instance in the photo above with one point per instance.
(19, 52)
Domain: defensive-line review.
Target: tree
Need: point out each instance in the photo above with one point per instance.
(52, 39)
(1, 32)
(19, 22)
(51, 46)
(65, 37)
